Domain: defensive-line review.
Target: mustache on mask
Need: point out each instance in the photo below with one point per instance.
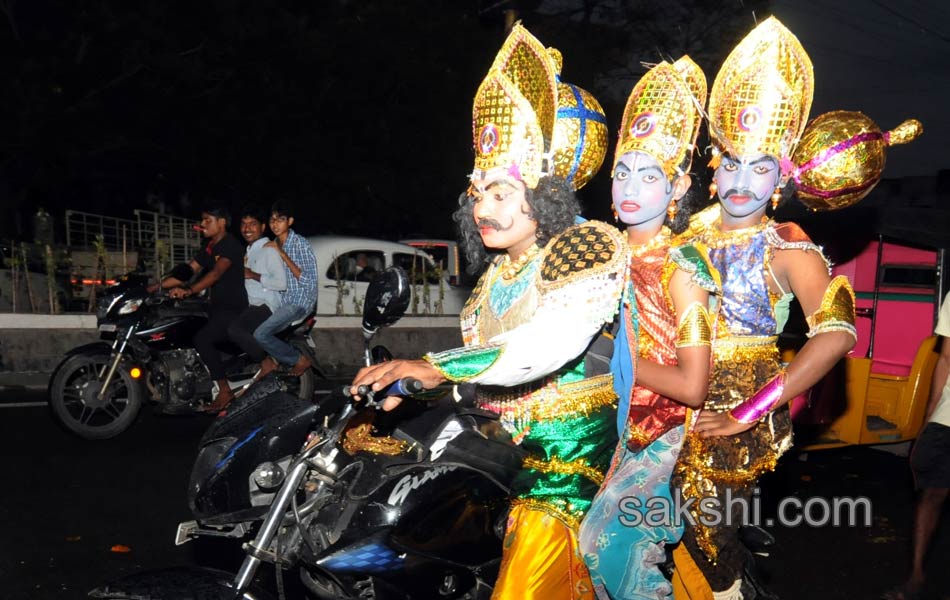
(740, 192)
(486, 222)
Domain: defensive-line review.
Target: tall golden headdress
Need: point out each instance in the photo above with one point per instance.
(663, 115)
(761, 97)
(579, 144)
(515, 108)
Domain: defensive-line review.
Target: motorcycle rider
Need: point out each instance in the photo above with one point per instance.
(549, 289)
(264, 279)
(758, 108)
(668, 324)
(300, 297)
(222, 261)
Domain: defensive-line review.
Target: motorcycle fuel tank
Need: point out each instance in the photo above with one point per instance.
(258, 428)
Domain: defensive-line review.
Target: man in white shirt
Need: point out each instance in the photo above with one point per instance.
(930, 462)
(264, 279)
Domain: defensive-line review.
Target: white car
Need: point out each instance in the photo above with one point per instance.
(346, 265)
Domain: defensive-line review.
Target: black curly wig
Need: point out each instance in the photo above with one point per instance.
(691, 203)
(552, 205)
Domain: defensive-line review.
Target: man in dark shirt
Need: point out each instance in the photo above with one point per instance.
(222, 261)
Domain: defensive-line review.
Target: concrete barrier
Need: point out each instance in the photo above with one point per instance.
(37, 343)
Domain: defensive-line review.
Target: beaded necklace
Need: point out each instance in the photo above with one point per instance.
(715, 237)
(660, 240)
(510, 268)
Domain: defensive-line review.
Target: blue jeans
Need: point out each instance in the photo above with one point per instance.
(266, 333)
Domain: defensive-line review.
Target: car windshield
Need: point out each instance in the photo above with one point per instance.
(356, 265)
(419, 267)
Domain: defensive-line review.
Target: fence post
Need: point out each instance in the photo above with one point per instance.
(26, 276)
(54, 307)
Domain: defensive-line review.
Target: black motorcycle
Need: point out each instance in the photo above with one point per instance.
(410, 503)
(147, 353)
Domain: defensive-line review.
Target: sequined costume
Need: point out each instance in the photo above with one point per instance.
(745, 358)
(622, 552)
(525, 345)
(621, 549)
(544, 396)
(529, 324)
(758, 109)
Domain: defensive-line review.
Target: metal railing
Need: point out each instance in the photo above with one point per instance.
(83, 229)
(172, 239)
(164, 239)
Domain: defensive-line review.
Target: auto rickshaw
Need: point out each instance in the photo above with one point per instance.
(879, 392)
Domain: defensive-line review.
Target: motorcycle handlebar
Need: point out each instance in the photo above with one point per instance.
(406, 386)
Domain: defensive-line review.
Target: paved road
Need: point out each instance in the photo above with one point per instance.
(68, 505)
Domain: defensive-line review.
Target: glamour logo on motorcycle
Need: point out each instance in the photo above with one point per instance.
(413, 482)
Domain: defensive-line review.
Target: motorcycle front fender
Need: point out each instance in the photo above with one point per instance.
(93, 348)
(178, 582)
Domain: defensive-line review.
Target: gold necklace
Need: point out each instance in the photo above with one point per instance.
(717, 238)
(511, 268)
(661, 239)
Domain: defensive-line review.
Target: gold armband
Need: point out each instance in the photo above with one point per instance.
(836, 312)
(695, 328)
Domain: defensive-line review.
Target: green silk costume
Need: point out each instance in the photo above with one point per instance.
(527, 333)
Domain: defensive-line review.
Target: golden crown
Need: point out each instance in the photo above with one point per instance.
(761, 97)
(515, 109)
(663, 114)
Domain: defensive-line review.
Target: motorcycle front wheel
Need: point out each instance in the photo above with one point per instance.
(74, 397)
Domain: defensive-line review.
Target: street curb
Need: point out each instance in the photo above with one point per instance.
(24, 381)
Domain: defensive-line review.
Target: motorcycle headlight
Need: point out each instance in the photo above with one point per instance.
(268, 476)
(130, 306)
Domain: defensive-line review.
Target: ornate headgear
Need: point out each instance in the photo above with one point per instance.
(762, 94)
(515, 108)
(841, 157)
(579, 144)
(663, 114)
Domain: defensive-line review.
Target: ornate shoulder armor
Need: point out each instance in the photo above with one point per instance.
(694, 259)
(699, 224)
(481, 286)
(589, 249)
(789, 236)
(585, 266)
(468, 316)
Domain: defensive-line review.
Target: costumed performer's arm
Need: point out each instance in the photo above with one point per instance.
(574, 305)
(690, 285)
(829, 304)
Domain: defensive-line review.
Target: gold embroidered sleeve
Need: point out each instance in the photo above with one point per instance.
(836, 312)
(695, 328)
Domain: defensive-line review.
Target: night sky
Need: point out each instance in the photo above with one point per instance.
(360, 112)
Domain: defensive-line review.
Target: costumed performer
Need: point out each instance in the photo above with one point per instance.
(758, 108)
(666, 322)
(537, 316)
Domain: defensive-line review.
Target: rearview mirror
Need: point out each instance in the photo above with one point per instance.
(387, 299)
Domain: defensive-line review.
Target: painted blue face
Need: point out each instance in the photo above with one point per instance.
(747, 183)
(640, 190)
